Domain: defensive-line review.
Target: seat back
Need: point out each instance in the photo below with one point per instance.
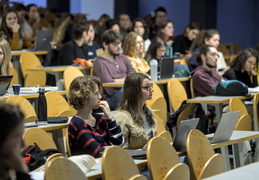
(213, 166)
(156, 94)
(187, 113)
(236, 104)
(39, 136)
(28, 60)
(191, 88)
(117, 164)
(244, 123)
(199, 151)
(13, 72)
(57, 105)
(160, 160)
(63, 169)
(159, 107)
(70, 74)
(166, 135)
(178, 171)
(25, 105)
(67, 143)
(35, 78)
(256, 111)
(176, 93)
(138, 177)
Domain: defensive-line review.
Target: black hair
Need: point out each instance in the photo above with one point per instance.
(161, 8)
(203, 51)
(80, 27)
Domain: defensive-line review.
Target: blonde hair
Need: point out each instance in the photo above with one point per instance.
(7, 56)
(129, 45)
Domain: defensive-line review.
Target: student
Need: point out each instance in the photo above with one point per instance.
(111, 66)
(10, 30)
(5, 57)
(75, 48)
(156, 50)
(133, 48)
(139, 26)
(11, 143)
(182, 43)
(135, 118)
(91, 45)
(243, 66)
(125, 24)
(91, 133)
(205, 76)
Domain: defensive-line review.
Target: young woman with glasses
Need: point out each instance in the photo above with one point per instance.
(135, 118)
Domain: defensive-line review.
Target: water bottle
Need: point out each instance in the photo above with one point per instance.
(42, 107)
(153, 66)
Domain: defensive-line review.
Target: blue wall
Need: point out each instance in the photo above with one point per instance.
(178, 11)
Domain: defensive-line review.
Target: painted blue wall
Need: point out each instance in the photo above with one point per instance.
(178, 11)
(237, 22)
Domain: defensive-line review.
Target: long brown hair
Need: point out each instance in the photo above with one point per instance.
(7, 57)
(131, 98)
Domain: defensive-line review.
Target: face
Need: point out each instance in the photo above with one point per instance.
(213, 41)
(249, 64)
(124, 21)
(11, 19)
(116, 28)
(147, 90)
(160, 17)
(91, 33)
(114, 48)
(14, 142)
(139, 28)
(210, 60)
(168, 31)
(85, 37)
(1, 56)
(21, 15)
(140, 44)
(94, 101)
(192, 33)
(160, 52)
(33, 12)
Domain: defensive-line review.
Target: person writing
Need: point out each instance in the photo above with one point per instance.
(91, 133)
(135, 118)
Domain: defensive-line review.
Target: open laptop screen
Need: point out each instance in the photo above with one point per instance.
(5, 82)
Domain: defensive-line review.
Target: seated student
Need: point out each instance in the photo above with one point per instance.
(156, 50)
(91, 133)
(135, 118)
(91, 45)
(75, 49)
(205, 76)
(242, 67)
(11, 143)
(11, 31)
(5, 57)
(111, 66)
(182, 43)
(133, 48)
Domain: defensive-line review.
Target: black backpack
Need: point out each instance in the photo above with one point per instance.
(199, 113)
(231, 88)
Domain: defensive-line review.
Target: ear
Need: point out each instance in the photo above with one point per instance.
(85, 33)
(203, 57)
(206, 41)
(105, 45)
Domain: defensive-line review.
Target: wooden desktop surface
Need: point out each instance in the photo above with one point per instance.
(18, 53)
(56, 68)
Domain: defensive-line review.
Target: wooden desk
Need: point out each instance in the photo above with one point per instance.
(27, 96)
(248, 172)
(57, 71)
(18, 53)
(164, 81)
(216, 101)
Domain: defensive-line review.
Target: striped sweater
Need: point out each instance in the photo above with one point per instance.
(85, 139)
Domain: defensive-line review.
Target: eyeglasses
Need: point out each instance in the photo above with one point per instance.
(116, 43)
(251, 63)
(148, 87)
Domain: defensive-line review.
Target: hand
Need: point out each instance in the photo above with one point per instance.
(106, 109)
(15, 27)
(253, 72)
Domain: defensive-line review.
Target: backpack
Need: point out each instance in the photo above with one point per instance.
(199, 113)
(231, 88)
(34, 157)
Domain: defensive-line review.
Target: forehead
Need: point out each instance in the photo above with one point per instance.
(124, 16)
(139, 38)
(138, 23)
(213, 50)
(161, 13)
(215, 36)
(11, 14)
(251, 58)
(146, 81)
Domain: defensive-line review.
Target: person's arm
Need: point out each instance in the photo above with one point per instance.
(125, 128)
(230, 74)
(203, 84)
(66, 55)
(15, 43)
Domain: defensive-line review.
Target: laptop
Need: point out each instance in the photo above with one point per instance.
(185, 127)
(43, 39)
(5, 82)
(166, 68)
(225, 127)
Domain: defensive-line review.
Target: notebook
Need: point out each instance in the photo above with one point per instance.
(225, 127)
(5, 82)
(43, 39)
(181, 135)
(166, 68)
